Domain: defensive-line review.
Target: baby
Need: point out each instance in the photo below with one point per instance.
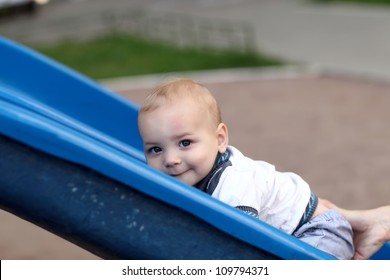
(184, 136)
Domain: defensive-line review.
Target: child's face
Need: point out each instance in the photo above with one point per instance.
(181, 140)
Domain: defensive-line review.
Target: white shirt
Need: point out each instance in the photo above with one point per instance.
(279, 198)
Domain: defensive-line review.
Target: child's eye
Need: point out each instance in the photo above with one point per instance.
(154, 150)
(184, 143)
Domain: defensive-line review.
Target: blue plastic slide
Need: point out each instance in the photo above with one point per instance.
(71, 162)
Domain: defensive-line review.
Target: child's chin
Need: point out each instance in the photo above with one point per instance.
(187, 182)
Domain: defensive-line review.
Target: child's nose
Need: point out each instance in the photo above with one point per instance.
(172, 159)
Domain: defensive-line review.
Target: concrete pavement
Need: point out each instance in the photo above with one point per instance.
(339, 38)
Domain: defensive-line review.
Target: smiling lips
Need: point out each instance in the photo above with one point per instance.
(177, 174)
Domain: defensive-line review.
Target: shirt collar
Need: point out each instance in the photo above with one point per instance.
(210, 182)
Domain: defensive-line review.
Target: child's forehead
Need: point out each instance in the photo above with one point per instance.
(187, 103)
(174, 123)
(184, 97)
(182, 108)
(181, 112)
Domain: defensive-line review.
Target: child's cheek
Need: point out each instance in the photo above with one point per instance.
(153, 163)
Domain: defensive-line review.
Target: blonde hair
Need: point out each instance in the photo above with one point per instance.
(178, 88)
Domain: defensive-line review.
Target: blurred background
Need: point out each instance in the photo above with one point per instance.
(302, 84)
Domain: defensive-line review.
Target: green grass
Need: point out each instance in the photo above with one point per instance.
(118, 55)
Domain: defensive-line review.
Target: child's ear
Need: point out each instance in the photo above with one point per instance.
(222, 137)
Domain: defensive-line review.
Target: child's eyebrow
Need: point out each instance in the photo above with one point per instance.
(150, 143)
(174, 137)
(182, 135)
